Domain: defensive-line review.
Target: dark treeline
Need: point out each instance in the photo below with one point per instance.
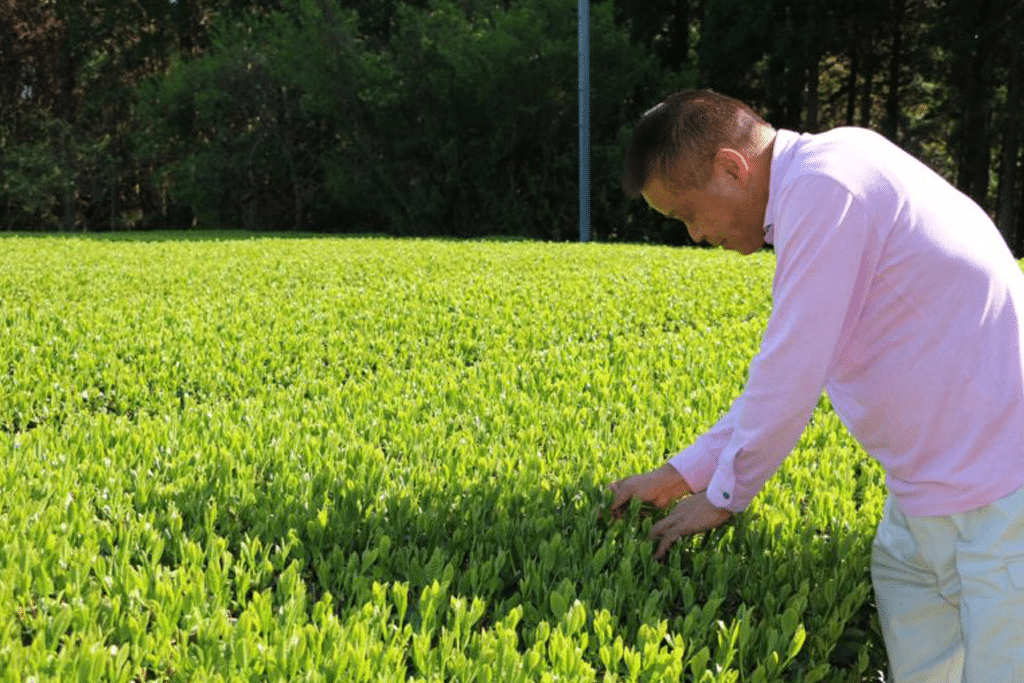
(458, 117)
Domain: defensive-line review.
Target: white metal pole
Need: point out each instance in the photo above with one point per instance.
(584, 124)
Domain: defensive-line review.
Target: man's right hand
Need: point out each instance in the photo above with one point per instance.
(658, 487)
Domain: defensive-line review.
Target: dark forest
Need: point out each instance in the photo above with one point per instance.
(459, 118)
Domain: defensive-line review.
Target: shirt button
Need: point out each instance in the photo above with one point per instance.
(725, 494)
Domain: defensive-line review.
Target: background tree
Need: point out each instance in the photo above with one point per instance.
(465, 122)
(458, 117)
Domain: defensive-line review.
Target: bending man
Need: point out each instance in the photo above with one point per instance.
(895, 293)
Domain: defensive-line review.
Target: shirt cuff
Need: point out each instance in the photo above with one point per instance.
(697, 463)
(722, 490)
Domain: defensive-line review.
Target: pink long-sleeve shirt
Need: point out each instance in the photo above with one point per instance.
(895, 293)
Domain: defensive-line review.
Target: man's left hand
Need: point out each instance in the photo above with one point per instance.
(692, 515)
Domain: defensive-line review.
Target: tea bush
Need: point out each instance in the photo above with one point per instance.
(367, 459)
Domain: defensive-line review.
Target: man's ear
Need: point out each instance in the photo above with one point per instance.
(732, 163)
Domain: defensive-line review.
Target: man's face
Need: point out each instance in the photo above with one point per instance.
(724, 213)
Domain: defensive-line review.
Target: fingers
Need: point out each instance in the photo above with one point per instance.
(623, 495)
(666, 542)
(664, 526)
(669, 530)
(693, 515)
(669, 536)
(657, 488)
(644, 486)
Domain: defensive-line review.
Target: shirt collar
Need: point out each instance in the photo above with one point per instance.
(782, 155)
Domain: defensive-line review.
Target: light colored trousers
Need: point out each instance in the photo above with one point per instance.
(950, 594)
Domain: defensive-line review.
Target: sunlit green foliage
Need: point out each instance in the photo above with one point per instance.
(365, 459)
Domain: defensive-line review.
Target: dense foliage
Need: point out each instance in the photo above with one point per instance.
(367, 459)
(462, 124)
(445, 117)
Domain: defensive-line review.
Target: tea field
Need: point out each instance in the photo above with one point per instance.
(246, 458)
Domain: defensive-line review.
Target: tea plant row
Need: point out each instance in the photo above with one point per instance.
(363, 459)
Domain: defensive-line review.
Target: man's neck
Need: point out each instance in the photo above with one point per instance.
(761, 161)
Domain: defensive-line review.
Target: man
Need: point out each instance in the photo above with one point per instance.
(896, 294)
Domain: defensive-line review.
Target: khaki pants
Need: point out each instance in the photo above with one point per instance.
(950, 594)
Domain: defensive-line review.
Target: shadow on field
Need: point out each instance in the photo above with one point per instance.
(539, 547)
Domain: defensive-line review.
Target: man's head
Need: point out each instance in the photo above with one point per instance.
(704, 158)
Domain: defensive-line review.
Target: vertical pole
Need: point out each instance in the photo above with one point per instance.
(584, 124)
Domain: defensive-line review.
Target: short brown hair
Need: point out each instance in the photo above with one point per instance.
(678, 137)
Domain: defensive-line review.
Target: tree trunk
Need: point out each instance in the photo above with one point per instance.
(974, 81)
(891, 122)
(1006, 203)
(866, 93)
(186, 27)
(679, 46)
(67, 76)
(1017, 246)
(851, 93)
(68, 163)
(812, 95)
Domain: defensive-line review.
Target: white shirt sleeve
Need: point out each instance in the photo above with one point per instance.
(824, 265)
(697, 463)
